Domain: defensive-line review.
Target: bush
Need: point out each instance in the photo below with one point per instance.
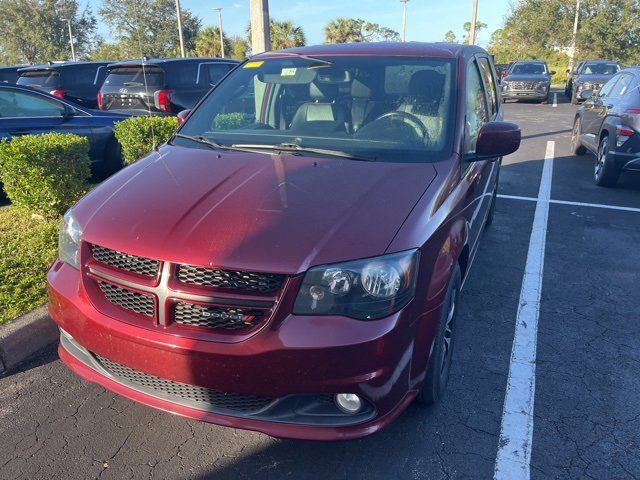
(27, 248)
(136, 135)
(45, 174)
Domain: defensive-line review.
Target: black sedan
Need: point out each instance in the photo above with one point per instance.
(608, 125)
(27, 111)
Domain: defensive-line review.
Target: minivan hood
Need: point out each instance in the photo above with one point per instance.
(252, 211)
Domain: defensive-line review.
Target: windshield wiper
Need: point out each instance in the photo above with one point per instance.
(295, 148)
(202, 141)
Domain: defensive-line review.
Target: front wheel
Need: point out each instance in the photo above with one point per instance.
(576, 147)
(605, 172)
(440, 360)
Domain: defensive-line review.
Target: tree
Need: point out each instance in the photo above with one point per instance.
(208, 43)
(36, 30)
(343, 30)
(286, 35)
(467, 29)
(107, 51)
(450, 37)
(239, 47)
(149, 27)
(544, 29)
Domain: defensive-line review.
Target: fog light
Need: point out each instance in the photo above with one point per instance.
(348, 402)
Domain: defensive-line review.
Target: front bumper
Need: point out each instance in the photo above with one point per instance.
(525, 95)
(297, 365)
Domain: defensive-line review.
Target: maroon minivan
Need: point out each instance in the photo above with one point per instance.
(291, 261)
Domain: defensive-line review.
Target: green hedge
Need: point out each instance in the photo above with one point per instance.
(45, 174)
(27, 248)
(136, 135)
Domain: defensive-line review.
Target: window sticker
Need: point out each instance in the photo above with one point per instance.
(255, 64)
(288, 72)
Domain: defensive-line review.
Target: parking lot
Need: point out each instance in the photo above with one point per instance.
(585, 416)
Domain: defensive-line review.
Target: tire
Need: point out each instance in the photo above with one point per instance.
(576, 147)
(605, 173)
(439, 366)
(545, 100)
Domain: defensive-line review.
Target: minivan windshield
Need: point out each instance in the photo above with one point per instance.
(376, 108)
(40, 79)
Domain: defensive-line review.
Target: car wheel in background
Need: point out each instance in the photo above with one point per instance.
(440, 360)
(605, 172)
(576, 147)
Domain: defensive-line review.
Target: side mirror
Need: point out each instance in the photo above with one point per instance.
(182, 116)
(496, 139)
(586, 94)
(552, 72)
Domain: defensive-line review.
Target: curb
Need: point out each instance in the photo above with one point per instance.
(24, 336)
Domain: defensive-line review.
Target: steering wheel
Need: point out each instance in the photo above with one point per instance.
(407, 118)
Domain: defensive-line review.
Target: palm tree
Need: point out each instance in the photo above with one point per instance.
(208, 43)
(343, 30)
(286, 35)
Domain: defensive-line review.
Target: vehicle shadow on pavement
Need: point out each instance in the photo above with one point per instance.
(43, 357)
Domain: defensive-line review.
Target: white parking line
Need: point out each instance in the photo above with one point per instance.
(577, 204)
(555, 100)
(516, 431)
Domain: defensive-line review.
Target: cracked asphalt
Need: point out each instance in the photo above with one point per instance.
(587, 408)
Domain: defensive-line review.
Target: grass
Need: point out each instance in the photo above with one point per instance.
(28, 246)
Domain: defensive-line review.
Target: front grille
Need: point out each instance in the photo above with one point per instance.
(177, 390)
(522, 85)
(225, 318)
(128, 299)
(230, 279)
(125, 261)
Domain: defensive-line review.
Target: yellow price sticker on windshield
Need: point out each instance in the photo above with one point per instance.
(255, 64)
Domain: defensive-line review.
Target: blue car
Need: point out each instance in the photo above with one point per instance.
(27, 111)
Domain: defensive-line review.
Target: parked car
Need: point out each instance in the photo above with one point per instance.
(161, 86)
(591, 75)
(77, 82)
(9, 74)
(527, 80)
(28, 111)
(571, 73)
(608, 125)
(291, 261)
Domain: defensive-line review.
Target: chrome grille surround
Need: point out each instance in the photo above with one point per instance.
(230, 279)
(124, 261)
(128, 299)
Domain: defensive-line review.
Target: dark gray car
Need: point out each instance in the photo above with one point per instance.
(591, 75)
(527, 80)
(608, 125)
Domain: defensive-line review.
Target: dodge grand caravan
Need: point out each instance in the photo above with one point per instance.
(291, 261)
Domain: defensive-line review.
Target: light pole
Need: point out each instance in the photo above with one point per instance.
(219, 9)
(474, 20)
(572, 53)
(179, 14)
(73, 50)
(404, 20)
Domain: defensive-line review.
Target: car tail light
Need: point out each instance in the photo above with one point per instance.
(59, 92)
(162, 100)
(623, 133)
(182, 116)
(99, 99)
(634, 111)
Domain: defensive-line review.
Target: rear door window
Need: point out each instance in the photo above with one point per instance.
(40, 79)
(81, 75)
(135, 76)
(608, 87)
(211, 73)
(184, 74)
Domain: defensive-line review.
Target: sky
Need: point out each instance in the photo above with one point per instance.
(427, 20)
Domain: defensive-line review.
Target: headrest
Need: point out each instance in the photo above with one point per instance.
(426, 84)
(360, 90)
(323, 91)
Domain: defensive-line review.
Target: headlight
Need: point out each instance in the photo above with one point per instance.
(542, 85)
(69, 240)
(364, 289)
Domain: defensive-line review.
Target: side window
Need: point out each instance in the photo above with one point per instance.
(606, 89)
(212, 73)
(622, 86)
(489, 84)
(476, 108)
(18, 104)
(185, 74)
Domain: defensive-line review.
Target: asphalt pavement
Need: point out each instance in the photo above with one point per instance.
(585, 414)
